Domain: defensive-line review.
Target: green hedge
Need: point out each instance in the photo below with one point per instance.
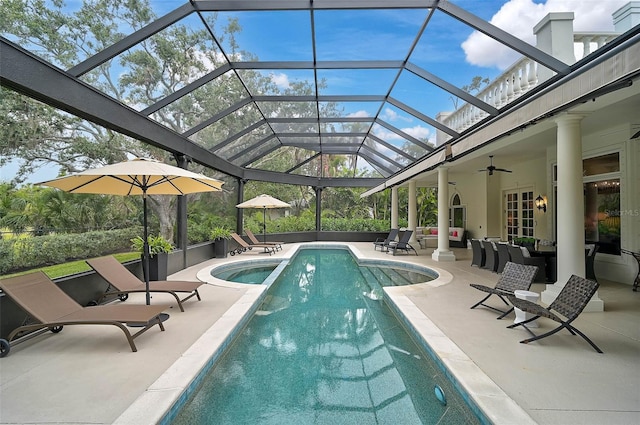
(37, 251)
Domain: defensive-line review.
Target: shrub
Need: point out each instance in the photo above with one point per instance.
(30, 252)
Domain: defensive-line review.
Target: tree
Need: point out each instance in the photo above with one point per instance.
(155, 68)
(476, 85)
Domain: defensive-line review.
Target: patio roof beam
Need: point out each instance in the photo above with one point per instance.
(325, 98)
(307, 120)
(131, 40)
(28, 74)
(301, 180)
(371, 64)
(504, 37)
(251, 147)
(261, 155)
(238, 135)
(381, 156)
(259, 5)
(409, 110)
(377, 163)
(186, 90)
(321, 134)
(451, 89)
(404, 135)
(306, 161)
(391, 147)
(216, 117)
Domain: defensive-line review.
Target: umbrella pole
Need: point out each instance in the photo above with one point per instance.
(145, 248)
(264, 225)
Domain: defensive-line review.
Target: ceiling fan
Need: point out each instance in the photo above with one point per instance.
(491, 168)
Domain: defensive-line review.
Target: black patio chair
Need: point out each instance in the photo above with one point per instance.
(503, 256)
(520, 255)
(569, 303)
(384, 243)
(403, 243)
(491, 255)
(478, 258)
(514, 277)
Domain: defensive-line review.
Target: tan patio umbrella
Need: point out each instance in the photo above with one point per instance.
(139, 176)
(264, 202)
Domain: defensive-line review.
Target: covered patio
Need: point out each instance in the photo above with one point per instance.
(86, 375)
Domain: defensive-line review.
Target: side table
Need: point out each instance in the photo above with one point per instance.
(521, 316)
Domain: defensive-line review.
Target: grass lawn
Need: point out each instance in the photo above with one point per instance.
(73, 267)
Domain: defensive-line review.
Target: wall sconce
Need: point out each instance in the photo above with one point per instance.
(541, 203)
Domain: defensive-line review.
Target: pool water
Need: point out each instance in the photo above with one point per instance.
(243, 274)
(377, 275)
(320, 351)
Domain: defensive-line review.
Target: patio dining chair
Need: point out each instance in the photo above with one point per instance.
(514, 277)
(479, 256)
(520, 255)
(569, 303)
(491, 255)
(503, 256)
(383, 243)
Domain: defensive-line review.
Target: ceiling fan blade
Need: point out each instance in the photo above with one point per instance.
(503, 170)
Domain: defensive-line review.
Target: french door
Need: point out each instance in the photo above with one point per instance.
(518, 210)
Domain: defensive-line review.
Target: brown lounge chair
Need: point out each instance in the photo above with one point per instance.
(254, 240)
(124, 282)
(244, 245)
(49, 307)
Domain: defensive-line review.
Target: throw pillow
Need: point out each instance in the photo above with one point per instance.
(426, 231)
(455, 233)
(434, 231)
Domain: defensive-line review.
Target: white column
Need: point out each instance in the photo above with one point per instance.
(570, 209)
(443, 253)
(412, 212)
(394, 207)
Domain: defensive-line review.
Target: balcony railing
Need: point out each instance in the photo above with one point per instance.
(515, 81)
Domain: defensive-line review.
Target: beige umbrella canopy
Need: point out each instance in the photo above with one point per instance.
(264, 202)
(139, 176)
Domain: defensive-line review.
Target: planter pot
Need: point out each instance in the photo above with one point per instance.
(221, 248)
(158, 266)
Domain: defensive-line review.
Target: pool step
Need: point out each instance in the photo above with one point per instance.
(376, 292)
(388, 276)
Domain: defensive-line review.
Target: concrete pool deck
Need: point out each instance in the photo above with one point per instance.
(87, 374)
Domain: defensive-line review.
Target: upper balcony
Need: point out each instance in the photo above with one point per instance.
(518, 79)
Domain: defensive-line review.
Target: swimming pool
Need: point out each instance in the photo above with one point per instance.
(377, 273)
(319, 350)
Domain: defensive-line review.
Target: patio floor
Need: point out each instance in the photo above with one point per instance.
(87, 374)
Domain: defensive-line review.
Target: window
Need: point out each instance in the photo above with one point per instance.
(602, 215)
(601, 201)
(457, 213)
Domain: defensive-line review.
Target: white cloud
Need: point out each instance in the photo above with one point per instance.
(518, 17)
(419, 132)
(390, 115)
(358, 114)
(281, 80)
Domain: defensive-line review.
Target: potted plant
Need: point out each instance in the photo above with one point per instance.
(526, 242)
(220, 236)
(159, 248)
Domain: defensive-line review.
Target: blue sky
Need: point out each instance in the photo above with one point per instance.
(448, 49)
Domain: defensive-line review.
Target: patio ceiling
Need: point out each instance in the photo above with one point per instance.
(342, 77)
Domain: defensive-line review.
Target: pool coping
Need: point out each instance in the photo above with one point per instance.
(162, 400)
